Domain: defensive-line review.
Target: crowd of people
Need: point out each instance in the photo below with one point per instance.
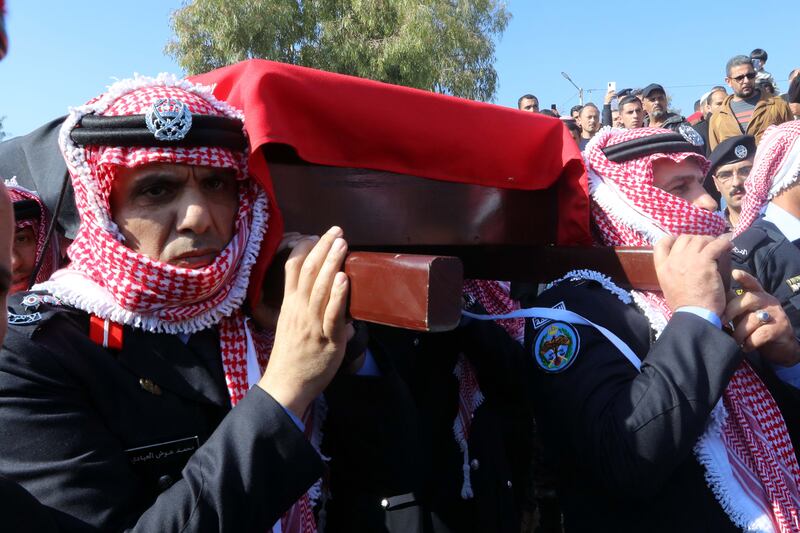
(149, 381)
(754, 104)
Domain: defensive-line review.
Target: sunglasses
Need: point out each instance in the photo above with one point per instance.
(749, 76)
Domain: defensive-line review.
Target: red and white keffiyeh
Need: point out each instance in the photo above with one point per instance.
(300, 517)
(495, 298)
(111, 281)
(47, 252)
(746, 451)
(776, 167)
(628, 209)
(470, 398)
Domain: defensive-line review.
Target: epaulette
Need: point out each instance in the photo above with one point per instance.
(33, 308)
(744, 244)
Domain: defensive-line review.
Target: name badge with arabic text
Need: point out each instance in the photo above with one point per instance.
(180, 449)
(159, 465)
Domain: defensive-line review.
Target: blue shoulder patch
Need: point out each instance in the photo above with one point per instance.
(556, 347)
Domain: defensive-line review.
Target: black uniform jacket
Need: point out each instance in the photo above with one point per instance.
(22, 513)
(622, 440)
(144, 438)
(499, 439)
(763, 251)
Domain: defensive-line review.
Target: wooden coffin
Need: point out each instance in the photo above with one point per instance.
(408, 173)
(415, 239)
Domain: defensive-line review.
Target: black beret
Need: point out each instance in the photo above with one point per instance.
(732, 150)
(661, 143)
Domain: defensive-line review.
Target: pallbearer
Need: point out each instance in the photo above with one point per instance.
(768, 233)
(36, 255)
(656, 418)
(137, 390)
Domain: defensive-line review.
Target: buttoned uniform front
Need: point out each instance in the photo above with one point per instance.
(622, 440)
(499, 435)
(144, 439)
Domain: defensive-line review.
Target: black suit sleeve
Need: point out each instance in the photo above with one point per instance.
(255, 465)
(608, 117)
(780, 264)
(22, 513)
(632, 429)
(243, 478)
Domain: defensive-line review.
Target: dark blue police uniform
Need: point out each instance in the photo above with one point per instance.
(144, 438)
(765, 253)
(622, 440)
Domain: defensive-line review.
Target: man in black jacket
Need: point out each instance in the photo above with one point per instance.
(136, 392)
(638, 393)
(21, 510)
(656, 106)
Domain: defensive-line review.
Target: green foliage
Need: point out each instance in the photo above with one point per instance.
(439, 45)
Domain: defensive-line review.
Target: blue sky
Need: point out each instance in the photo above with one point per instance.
(63, 53)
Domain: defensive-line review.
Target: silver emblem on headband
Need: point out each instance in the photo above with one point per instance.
(740, 151)
(690, 135)
(169, 119)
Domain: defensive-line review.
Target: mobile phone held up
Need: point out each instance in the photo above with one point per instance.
(612, 86)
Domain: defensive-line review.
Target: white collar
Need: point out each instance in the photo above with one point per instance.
(786, 222)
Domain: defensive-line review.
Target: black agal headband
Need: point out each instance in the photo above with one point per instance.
(662, 143)
(26, 210)
(168, 123)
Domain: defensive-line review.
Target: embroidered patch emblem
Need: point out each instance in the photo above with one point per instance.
(539, 322)
(556, 347)
(32, 301)
(33, 318)
(794, 283)
(740, 151)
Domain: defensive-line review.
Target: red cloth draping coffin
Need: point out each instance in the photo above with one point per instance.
(336, 120)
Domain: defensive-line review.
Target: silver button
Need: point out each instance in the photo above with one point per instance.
(474, 464)
(508, 484)
(415, 342)
(384, 503)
